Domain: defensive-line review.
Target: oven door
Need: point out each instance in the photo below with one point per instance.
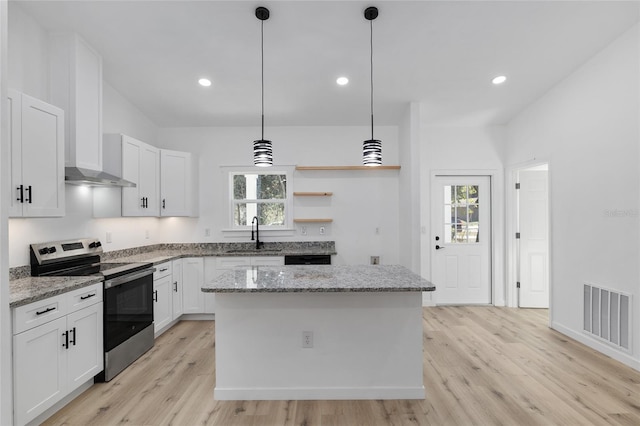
(128, 306)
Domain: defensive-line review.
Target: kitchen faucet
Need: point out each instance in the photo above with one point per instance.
(258, 242)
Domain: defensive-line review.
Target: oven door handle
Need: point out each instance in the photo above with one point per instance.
(128, 278)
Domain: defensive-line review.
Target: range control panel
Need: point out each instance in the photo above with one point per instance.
(62, 250)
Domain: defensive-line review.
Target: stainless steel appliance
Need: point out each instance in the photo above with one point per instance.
(128, 296)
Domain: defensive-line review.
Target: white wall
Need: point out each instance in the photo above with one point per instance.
(464, 150)
(587, 126)
(362, 201)
(28, 54)
(6, 382)
(410, 189)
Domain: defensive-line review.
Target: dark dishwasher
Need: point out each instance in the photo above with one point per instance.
(308, 259)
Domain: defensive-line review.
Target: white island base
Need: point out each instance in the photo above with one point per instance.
(366, 345)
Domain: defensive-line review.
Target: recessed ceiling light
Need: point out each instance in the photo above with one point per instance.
(499, 79)
(204, 82)
(342, 81)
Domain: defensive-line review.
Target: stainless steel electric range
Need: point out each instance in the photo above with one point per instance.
(128, 296)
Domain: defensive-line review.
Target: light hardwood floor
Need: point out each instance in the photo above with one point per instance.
(482, 366)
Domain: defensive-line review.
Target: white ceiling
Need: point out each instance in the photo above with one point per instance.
(443, 53)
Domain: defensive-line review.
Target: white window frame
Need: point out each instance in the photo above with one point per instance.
(288, 202)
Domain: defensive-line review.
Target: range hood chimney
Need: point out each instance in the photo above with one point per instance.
(80, 176)
(76, 87)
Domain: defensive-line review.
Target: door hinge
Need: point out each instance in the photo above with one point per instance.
(518, 284)
(517, 235)
(518, 185)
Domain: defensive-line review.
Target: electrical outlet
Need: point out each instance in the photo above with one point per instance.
(307, 339)
(303, 230)
(322, 230)
(375, 260)
(207, 232)
(146, 234)
(108, 237)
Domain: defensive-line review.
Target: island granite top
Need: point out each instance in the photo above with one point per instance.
(318, 278)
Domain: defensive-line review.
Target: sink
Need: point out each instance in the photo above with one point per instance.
(253, 250)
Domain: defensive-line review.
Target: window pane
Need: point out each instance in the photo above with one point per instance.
(271, 187)
(239, 187)
(461, 214)
(240, 214)
(269, 214)
(259, 187)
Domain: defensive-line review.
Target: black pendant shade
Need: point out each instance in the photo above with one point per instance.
(372, 148)
(262, 149)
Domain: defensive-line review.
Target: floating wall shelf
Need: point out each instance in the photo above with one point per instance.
(313, 194)
(370, 168)
(312, 220)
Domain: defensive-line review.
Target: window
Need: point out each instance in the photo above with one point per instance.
(265, 195)
(461, 205)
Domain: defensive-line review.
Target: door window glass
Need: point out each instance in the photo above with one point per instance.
(461, 214)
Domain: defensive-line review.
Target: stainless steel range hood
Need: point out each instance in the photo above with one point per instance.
(80, 176)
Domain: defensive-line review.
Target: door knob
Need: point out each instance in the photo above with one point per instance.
(438, 247)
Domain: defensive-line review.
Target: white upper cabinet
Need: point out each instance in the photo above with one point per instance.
(36, 132)
(177, 183)
(76, 87)
(139, 163)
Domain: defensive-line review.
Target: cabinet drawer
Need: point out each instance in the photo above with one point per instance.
(267, 261)
(86, 296)
(37, 313)
(162, 270)
(232, 262)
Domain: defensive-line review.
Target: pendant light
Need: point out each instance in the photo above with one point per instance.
(262, 149)
(372, 148)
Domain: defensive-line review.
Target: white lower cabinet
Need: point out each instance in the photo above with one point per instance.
(177, 290)
(162, 297)
(192, 282)
(57, 347)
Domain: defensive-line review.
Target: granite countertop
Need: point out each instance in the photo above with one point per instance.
(166, 252)
(32, 289)
(24, 289)
(318, 278)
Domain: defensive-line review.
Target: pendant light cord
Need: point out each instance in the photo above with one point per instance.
(262, 70)
(371, 58)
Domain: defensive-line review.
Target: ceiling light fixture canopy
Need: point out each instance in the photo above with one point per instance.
(372, 148)
(262, 149)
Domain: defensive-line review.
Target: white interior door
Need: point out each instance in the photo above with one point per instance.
(461, 239)
(533, 226)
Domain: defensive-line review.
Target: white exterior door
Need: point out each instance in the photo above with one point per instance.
(533, 226)
(461, 239)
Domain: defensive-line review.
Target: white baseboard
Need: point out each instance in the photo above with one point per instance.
(279, 394)
(598, 346)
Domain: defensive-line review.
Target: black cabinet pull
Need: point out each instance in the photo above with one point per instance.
(175, 286)
(87, 296)
(65, 344)
(73, 330)
(155, 295)
(142, 202)
(21, 191)
(164, 269)
(164, 206)
(30, 194)
(45, 311)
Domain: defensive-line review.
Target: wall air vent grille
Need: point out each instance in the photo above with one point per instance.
(607, 315)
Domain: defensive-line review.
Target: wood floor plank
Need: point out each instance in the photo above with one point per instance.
(482, 366)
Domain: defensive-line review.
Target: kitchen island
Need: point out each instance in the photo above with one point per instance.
(319, 332)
